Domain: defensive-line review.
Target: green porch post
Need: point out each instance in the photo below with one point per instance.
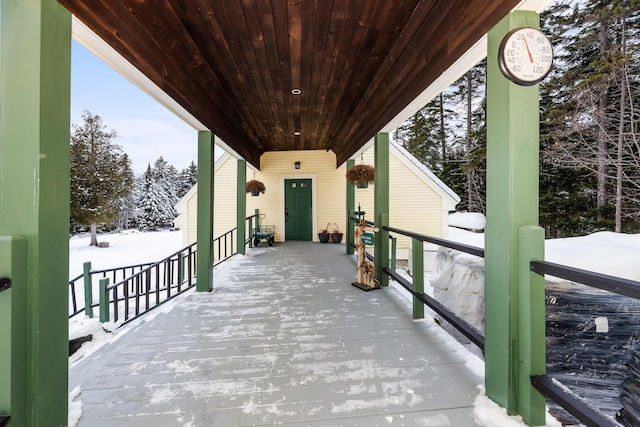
(13, 366)
(351, 207)
(381, 204)
(204, 282)
(512, 203)
(241, 206)
(35, 80)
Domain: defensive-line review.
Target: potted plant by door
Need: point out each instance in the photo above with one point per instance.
(255, 187)
(323, 235)
(336, 235)
(361, 175)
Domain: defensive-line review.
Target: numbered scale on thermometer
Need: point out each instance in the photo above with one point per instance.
(525, 56)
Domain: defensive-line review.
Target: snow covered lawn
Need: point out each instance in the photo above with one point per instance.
(125, 248)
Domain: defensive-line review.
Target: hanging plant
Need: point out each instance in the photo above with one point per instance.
(255, 187)
(361, 175)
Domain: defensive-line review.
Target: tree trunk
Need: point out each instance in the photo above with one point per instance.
(468, 147)
(94, 237)
(601, 171)
(623, 77)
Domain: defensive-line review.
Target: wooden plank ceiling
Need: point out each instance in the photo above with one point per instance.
(233, 64)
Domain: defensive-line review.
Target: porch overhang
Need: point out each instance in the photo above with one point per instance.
(362, 66)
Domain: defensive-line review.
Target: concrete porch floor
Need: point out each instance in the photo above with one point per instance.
(283, 339)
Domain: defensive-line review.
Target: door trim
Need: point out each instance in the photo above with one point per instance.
(314, 202)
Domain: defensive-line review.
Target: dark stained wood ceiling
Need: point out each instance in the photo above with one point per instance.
(233, 64)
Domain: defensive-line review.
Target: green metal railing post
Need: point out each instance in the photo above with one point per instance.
(13, 301)
(104, 300)
(88, 289)
(250, 232)
(417, 249)
(241, 206)
(351, 207)
(531, 325)
(393, 253)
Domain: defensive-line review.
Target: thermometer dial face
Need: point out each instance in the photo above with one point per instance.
(525, 56)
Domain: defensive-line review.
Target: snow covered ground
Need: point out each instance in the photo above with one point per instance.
(125, 248)
(607, 253)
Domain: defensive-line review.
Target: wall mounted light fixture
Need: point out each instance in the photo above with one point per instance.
(297, 165)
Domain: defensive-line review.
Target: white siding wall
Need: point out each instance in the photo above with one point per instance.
(329, 186)
(414, 204)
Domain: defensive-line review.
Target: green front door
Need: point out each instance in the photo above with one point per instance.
(298, 211)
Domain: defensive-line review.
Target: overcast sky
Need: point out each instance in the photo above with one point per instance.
(146, 130)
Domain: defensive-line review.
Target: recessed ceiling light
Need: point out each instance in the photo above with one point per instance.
(297, 133)
(296, 91)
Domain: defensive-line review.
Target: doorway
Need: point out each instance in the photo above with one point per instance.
(298, 209)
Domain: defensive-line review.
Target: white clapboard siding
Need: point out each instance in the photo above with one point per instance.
(419, 201)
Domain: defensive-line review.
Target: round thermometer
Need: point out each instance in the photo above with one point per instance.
(525, 56)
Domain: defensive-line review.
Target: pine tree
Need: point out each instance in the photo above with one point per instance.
(152, 202)
(101, 174)
(187, 178)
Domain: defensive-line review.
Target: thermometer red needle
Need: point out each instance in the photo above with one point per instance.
(528, 51)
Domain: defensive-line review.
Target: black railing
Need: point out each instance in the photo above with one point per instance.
(571, 402)
(546, 384)
(4, 419)
(456, 321)
(224, 247)
(617, 285)
(150, 287)
(116, 274)
(474, 335)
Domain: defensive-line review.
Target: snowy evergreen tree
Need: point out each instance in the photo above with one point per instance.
(188, 178)
(156, 196)
(101, 175)
(151, 205)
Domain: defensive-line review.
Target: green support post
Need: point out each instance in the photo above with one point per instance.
(104, 300)
(417, 259)
(351, 207)
(532, 333)
(13, 367)
(204, 280)
(88, 289)
(393, 253)
(512, 203)
(381, 205)
(35, 81)
(241, 207)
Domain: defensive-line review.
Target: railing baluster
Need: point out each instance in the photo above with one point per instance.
(147, 281)
(115, 304)
(164, 274)
(157, 288)
(74, 303)
(126, 299)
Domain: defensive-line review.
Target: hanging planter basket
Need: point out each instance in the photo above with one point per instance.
(361, 175)
(255, 187)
